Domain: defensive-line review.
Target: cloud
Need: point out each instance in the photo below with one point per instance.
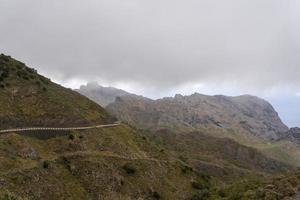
(159, 47)
(298, 94)
(157, 44)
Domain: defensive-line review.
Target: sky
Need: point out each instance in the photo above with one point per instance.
(162, 47)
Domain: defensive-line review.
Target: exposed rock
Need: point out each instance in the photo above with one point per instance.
(244, 114)
(293, 134)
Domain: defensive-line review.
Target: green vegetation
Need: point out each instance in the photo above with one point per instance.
(29, 99)
(46, 164)
(129, 169)
(116, 163)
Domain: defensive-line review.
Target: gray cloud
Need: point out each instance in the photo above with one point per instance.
(158, 43)
(160, 47)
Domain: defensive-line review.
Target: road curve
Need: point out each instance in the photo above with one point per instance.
(57, 129)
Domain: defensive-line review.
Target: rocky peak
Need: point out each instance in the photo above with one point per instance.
(246, 114)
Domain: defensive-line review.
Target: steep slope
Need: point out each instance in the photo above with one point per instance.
(101, 95)
(29, 99)
(244, 114)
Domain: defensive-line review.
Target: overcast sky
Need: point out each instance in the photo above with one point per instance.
(162, 47)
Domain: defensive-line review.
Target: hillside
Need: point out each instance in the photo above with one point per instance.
(110, 163)
(243, 114)
(29, 99)
(215, 156)
(281, 187)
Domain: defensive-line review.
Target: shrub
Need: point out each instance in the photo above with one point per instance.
(25, 78)
(30, 70)
(71, 137)
(201, 195)
(46, 164)
(20, 65)
(221, 193)
(129, 169)
(8, 196)
(186, 169)
(198, 185)
(38, 83)
(155, 195)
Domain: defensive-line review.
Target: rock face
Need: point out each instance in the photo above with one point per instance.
(246, 114)
(293, 134)
(99, 94)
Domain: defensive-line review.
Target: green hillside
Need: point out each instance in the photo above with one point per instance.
(29, 99)
(114, 163)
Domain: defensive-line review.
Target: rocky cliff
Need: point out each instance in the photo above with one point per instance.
(245, 114)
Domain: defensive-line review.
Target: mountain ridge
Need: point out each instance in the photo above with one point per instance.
(244, 113)
(264, 121)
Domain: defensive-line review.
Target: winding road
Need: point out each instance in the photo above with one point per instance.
(57, 129)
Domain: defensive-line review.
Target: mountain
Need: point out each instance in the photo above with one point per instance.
(118, 162)
(103, 163)
(243, 114)
(249, 120)
(247, 114)
(99, 94)
(29, 99)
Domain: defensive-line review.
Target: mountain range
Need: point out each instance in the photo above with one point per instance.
(186, 147)
(247, 119)
(246, 114)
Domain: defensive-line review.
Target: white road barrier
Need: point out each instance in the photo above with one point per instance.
(57, 129)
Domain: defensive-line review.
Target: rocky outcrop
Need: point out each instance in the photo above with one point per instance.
(293, 134)
(245, 114)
